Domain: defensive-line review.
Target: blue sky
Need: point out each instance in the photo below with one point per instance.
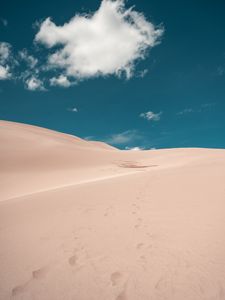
(150, 77)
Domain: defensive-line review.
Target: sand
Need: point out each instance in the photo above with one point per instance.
(82, 220)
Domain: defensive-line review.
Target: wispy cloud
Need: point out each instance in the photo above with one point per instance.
(142, 73)
(30, 60)
(208, 105)
(4, 22)
(220, 71)
(185, 111)
(73, 109)
(151, 116)
(122, 138)
(203, 107)
(106, 42)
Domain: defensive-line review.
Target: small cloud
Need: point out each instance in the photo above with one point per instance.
(62, 81)
(34, 84)
(89, 138)
(185, 111)
(135, 148)
(151, 116)
(4, 22)
(108, 42)
(74, 109)
(123, 137)
(4, 72)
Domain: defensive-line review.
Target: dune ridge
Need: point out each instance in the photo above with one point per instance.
(83, 220)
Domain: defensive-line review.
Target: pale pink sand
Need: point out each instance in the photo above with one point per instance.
(81, 220)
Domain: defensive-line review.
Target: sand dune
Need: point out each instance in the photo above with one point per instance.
(82, 220)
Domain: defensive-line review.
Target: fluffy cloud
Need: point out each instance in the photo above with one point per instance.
(107, 42)
(62, 81)
(5, 50)
(34, 84)
(4, 72)
(151, 116)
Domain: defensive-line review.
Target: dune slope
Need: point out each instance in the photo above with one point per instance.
(81, 220)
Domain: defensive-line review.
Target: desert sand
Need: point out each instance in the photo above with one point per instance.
(82, 220)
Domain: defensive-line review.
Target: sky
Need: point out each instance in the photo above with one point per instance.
(137, 74)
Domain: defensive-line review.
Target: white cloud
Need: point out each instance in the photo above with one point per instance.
(4, 72)
(135, 148)
(104, 43)
(73, 109)
(151, 116)
(62, 81)
(29, 59)
(123, 137)
(34, 84)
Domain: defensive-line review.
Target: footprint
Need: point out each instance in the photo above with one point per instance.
(72, 260)
(140, 245)
(39, 273)
(139, 221)
(159, 283)
(122, 295)
(221, 292)
(115, 278)
(19, 289)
